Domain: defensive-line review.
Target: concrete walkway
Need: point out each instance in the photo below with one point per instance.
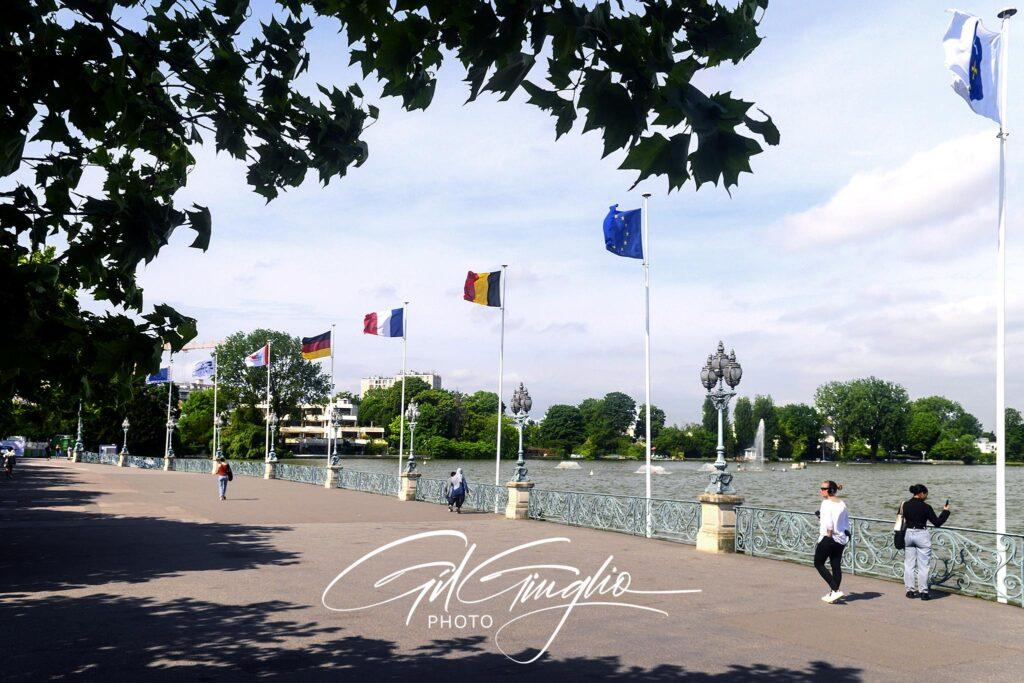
(127, 574)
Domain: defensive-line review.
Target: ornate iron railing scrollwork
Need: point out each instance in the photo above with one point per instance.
(674, 520)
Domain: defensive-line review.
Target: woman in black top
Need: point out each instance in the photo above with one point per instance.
(918, 553)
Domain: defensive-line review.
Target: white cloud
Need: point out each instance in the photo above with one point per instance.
(943, 190)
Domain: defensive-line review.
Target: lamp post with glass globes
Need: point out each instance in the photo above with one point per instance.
(172, 422)
(720, 370)
(79, 446)
(521, 405)
(335, 426)
(124, 426)
(272, 456)
(412, 414)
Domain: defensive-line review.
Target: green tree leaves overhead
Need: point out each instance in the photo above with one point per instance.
(128, 89)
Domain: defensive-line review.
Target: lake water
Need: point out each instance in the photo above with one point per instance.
(869, 490)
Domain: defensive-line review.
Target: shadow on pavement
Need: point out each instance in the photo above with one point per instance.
(123, 638)
(51, 543)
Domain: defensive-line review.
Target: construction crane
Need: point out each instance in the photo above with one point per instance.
(195, 346)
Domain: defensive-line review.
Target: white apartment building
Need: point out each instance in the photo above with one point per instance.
(310, 430)
(380, 382)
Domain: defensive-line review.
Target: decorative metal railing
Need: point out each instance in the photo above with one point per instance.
(196, 465)
(107, 459)
(963, 560)
(675, 520)
(246, 468)
(483, 497)
(306, 474)
(92, 458)
(370, 482)
(144, 463)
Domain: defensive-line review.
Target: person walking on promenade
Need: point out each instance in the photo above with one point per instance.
(460, 487)
(9, 463)
(834, 534)
(223, 472)
(917, 554)
(448, 490)
(59, 452)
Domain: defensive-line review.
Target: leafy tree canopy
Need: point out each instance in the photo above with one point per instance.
(126, 89)
(657, 422)
(293, 380)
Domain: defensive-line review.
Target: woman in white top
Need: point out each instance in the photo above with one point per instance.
(834, 534)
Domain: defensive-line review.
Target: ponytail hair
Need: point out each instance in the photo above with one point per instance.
(918, 488)
(833, 487)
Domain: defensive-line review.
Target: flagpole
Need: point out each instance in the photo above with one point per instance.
(330, 402)
(401, 412)
(1004, 49)
(170, 386)
(647, 359)
(501, 378)
(266, 436)
(215, 430)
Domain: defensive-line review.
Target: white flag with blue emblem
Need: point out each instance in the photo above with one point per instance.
(203, 368)
(972, 55)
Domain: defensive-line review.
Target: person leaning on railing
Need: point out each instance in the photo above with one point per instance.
(918, 550)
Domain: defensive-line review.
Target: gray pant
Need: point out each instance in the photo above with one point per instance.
(917, 556)
(222, 484)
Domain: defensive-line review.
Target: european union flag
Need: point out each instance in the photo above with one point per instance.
(161, 377)
(622, 232)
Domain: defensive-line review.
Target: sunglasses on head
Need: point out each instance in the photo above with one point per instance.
(824, 488)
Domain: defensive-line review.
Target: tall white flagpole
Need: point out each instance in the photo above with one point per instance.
(170, 386)
(401, 412)
(266, 440)
(1004, 49)
(501, 378)
(647, 357)
(215, 430)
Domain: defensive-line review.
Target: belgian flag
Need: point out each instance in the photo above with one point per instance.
(483, 288)
(316, 347)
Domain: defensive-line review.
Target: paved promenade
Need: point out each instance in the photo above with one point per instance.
(128, 574)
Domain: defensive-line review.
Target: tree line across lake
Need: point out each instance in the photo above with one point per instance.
(868, 418)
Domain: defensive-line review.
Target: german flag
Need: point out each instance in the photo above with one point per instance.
(483, 289)
(316, 347)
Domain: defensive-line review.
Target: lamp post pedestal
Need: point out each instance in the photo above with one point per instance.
(518, 506)
(717, 522)
(168, 463)
(333, 480)
(122, 459)
(270, 470)
(407, 489)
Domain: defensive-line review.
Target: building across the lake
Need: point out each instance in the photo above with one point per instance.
(308, 432)
(380, 382)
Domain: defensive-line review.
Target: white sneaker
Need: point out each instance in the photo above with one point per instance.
(828, 597)
(838, 594)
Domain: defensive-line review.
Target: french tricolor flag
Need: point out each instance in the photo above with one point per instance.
(384, 323)
(258, 359)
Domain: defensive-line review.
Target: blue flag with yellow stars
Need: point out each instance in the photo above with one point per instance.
(622, 232)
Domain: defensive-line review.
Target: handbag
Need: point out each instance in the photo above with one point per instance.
(231, 475)
(899, 530)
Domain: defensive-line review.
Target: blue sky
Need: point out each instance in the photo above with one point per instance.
(863, 244)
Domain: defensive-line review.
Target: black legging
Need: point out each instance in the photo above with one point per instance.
(833, 552)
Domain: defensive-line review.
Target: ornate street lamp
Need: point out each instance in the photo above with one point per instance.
(521, 405)
(412, 414)
(124, 426)
(218, 422)
(720, 369)
(171, 424)
(272, 456)
(79, 446)
(335, 425)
